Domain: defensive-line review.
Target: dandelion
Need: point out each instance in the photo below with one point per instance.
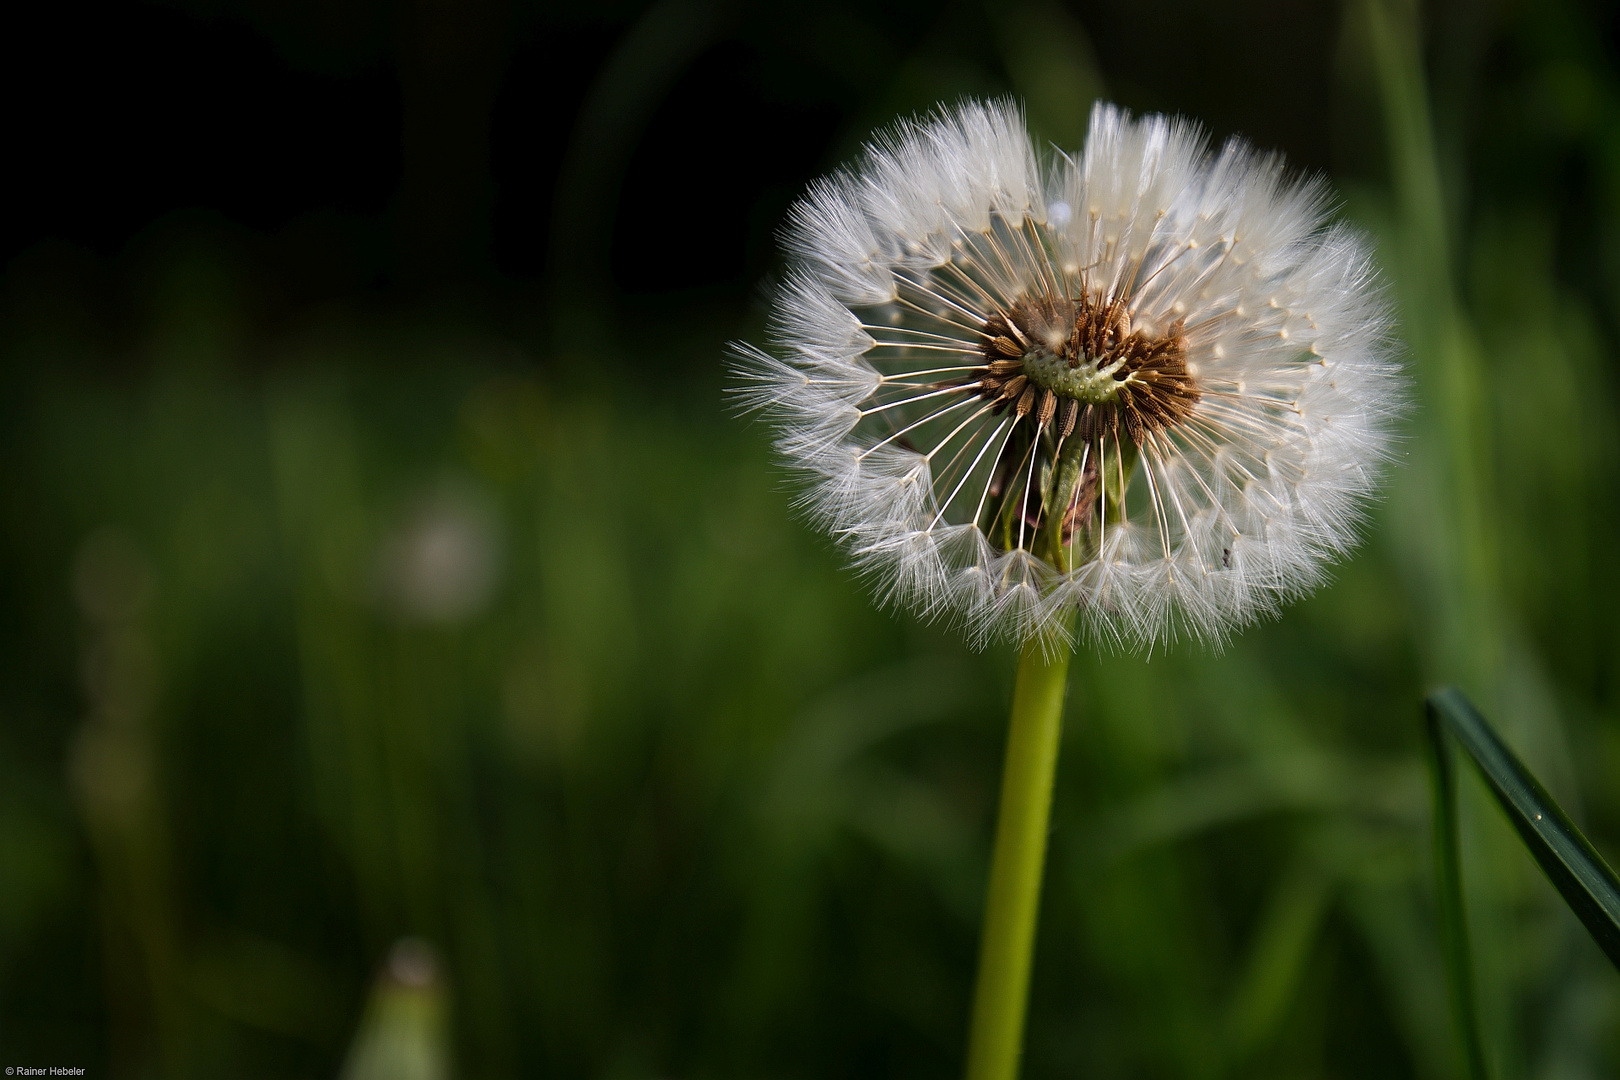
(1149, 384)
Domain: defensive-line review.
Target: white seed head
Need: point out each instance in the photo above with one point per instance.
(1020, 385)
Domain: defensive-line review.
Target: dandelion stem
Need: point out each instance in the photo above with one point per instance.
(996, 1038)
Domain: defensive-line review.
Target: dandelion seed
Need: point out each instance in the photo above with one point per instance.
(1024, 385)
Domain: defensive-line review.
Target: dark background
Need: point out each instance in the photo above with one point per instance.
(487, 150)
(378, 561)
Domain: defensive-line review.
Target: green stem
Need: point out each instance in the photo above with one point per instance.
(997, 1035)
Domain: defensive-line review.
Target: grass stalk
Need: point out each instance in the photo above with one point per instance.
(1453, 915)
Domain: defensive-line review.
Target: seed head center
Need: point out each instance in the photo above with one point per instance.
(1086, 381)
(1079, 360)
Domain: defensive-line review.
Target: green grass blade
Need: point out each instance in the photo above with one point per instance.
(1448, 880)
(1586, 882)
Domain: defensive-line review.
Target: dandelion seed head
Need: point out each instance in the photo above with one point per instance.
(1151, 383)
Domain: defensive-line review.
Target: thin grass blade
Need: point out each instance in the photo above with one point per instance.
(1448, 881)
(1586, 882)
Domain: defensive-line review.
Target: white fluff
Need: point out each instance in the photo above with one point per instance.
(901, 259)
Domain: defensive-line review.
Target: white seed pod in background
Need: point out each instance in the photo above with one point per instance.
(1152, 384)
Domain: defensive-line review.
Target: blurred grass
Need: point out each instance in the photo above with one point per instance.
(387, 625)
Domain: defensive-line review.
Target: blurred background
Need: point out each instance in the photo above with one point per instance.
(408, 669)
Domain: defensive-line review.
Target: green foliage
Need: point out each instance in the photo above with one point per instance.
(1570, 862)
(319, 636)
(1574, 867)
